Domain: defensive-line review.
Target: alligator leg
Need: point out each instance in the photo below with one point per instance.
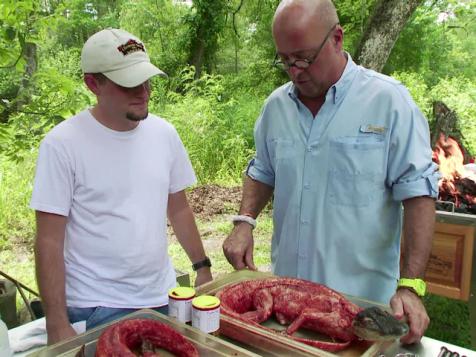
(263, 304)
(328, 323)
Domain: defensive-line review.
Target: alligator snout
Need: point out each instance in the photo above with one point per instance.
(376, 324)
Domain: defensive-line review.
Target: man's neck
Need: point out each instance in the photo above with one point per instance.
(315, 103)
(111, 122)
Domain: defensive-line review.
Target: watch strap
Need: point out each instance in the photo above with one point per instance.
(418, 286)
(201, 264)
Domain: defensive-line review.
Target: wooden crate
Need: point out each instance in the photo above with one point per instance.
(448, 272)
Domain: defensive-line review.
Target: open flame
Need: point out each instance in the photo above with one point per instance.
(457, 184)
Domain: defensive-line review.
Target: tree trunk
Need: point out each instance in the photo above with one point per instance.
(198, 57)
(205, 26)
(383, 28)
(19, 96)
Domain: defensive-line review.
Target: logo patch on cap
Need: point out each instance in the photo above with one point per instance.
(131, 46)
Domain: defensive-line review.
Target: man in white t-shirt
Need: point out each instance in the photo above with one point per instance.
(106, 180)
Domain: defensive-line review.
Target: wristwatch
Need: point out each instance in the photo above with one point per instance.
(418, 286)
(201, 264)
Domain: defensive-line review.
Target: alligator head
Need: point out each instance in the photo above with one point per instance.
(376, 324)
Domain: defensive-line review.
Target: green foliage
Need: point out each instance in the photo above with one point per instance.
(160, 24)
(418, 89)
(247, 39)
(205, 23)
(415, 83)
(449, 320)
(75, 20)
(16, 28)
(458, 93)
(353, 16)
(421, 56)
(16, 220)
(217, 132)
(435, 47)
(47, 108)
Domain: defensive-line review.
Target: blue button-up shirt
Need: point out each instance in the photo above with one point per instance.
(339, 179)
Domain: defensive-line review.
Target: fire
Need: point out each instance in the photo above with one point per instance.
(457, 182)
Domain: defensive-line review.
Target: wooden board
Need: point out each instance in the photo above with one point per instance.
(448, 272)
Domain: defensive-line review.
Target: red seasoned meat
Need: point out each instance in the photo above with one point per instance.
(299, 303)
(143, 336)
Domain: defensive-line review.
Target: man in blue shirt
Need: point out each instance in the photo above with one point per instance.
(341, 148)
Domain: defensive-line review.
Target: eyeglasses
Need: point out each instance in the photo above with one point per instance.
(301, 63)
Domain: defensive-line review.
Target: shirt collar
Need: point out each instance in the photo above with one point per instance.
(338, 89)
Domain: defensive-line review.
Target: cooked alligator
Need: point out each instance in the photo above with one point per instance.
(304, 304)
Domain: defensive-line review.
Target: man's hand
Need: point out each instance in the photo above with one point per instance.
(238, 247)
(407, 304)
(59, 333)
(204, 275)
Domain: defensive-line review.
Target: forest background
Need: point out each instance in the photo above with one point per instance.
(218, 55)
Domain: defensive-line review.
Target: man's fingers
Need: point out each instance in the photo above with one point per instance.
(415, 334)
(238, 250)
(397, 307)
(234, 256)
(418, 322)
(234, 260)
(406, 303)
(249, 259)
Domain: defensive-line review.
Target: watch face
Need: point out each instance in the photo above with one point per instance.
(204, 263)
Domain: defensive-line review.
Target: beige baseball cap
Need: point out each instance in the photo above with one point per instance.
(120, 56)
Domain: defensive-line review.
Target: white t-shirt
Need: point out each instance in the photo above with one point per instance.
(113, 187)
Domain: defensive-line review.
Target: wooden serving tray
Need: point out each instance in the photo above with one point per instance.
(207, 345)
(267, 343)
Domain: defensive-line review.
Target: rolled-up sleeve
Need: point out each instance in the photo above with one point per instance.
(260, 167)
(411, 172)
(425, 185)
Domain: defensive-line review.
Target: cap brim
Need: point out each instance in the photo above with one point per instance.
(134, 75)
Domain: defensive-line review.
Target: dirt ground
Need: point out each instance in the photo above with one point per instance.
(208, 201)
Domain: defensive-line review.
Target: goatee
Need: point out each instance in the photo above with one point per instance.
(135, 117)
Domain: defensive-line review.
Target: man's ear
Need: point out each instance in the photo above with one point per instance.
(92, 83)
(338, 37)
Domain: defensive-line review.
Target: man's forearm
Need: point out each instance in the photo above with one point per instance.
(255, 197)
(50, 270)
(418, 229)
(51, 281)
(183, 223)
(187, 234)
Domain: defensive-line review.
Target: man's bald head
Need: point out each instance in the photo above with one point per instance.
(308, 31)
(305, 15)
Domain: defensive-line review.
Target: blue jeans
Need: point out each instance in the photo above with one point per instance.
(99, 315)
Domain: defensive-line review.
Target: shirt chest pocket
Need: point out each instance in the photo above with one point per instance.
(283, 154)
(356, 170)
(281, 149)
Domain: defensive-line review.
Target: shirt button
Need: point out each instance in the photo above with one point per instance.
(307, 186)
(304, 221)
(309, 149)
